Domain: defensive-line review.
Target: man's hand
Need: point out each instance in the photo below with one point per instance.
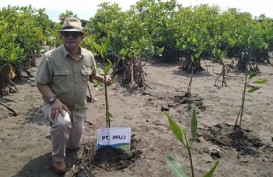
(108, 80)
(58, 108)
(101, 79)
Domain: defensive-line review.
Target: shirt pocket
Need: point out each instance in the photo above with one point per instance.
(84, 79)
(86, 71)
(61, 80)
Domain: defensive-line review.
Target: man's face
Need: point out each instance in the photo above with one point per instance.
(71, 39)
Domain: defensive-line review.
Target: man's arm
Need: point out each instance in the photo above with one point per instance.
(57, 107)
(45, 90)
(100, 78)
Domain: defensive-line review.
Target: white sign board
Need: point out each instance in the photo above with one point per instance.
(114, 137)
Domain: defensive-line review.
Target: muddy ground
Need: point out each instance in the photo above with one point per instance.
(25, 145)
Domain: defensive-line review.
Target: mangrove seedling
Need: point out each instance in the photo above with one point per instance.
(103, 51)
(177, 169)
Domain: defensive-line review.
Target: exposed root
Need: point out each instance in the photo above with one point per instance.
(9, 108)
(7, 73)
(134, 76)
(225, 69)
(188, 66)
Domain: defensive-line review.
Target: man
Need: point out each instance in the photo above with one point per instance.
(62, 79)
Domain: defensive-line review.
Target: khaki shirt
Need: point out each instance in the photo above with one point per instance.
(68, 78)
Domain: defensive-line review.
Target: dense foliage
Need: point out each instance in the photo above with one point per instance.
(23, 33)
(187, 33)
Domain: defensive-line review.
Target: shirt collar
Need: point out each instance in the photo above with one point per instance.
(65, 52)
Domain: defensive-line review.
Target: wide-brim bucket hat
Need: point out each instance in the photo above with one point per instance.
(72, 24)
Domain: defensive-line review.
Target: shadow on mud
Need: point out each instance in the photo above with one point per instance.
(41, 166)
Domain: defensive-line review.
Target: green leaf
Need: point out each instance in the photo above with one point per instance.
(123, 52)
(260, 81)
(110, 63)
(2, 52)
(21, 52)
(209, 173)
(193, 123)
(194, 40)
(97, 85)
(264, 46)
(13, 55)
(135, 44)
(110, 116)
(107, 69)
(176, 167)
(249, 40)
(251, 75)
(160, 50)
(253, 89)
(177, 131)
(197, 55)
(98, 48)
(105, 47)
